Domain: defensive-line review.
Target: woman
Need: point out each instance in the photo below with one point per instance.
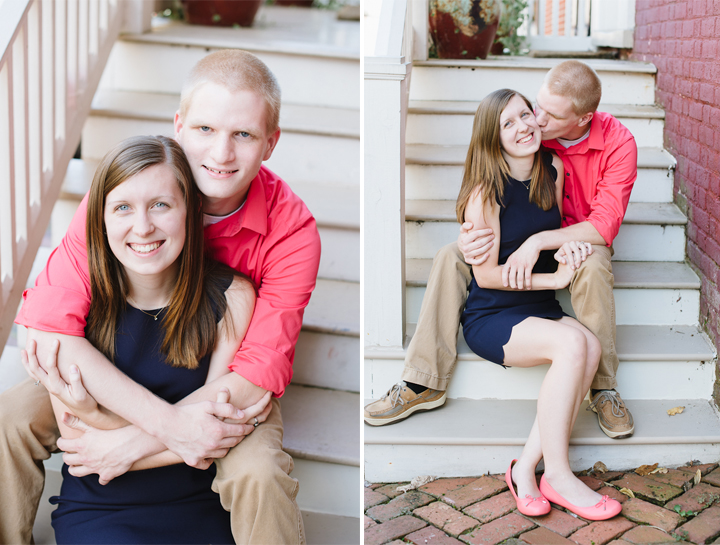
(168, 318)
(515, 189)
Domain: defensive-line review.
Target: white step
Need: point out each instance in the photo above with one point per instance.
(318, 144)
(322, 434)
(314, 56)
(650, 231)
(435, 172)
(656, 362)
(623, 82)
(450, 123)
(336, 209)
(328, 350)
(651, 293)
(467, 437)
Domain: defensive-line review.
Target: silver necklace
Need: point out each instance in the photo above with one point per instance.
(154, 316)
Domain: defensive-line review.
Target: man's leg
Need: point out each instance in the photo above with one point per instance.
(254, 484)
(432, 353)
(28, 433)
(591, 291)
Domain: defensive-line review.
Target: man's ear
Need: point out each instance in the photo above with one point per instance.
(584, 120)
(271, 143)
(178, 124)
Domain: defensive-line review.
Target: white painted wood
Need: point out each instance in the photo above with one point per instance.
(340, 257)
(623, 82)
(442, 182)
(613, 23)
(478, 437)
(334, 308)
(327, 361)
(313, 495)
(457, 130)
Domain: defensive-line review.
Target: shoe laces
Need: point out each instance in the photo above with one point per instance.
(394, 394)
(614, 398)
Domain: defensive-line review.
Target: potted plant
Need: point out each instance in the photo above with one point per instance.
(463, 29)
(512, 16)
(221, 12)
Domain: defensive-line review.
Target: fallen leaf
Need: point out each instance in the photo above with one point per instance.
(627, 492)
(599, 467)
(661, 470)
(675, 410)
(416, 483)
(698, 476)
(646, 470)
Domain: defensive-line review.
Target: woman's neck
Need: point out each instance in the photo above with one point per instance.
(149, 292)
(520, 167)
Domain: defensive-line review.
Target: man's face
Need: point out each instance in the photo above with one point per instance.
(556, 117)
(225, 138)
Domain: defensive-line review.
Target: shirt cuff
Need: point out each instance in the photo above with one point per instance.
(263, 366)
(40, 310)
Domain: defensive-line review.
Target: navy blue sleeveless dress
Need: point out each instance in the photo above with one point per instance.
(172, 504)
(490, 315)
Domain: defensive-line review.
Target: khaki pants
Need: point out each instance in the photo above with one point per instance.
(432, 353)
(253, 480)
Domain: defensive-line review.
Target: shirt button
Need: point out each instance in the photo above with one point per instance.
(567, 196)
(564, 218)
(567, 174)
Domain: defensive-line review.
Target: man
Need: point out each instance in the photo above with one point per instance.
(228, 125)
(600, 160)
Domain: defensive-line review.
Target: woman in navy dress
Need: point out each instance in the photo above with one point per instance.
(168, 318)
(514, 188)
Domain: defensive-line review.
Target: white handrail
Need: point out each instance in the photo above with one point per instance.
(386, 83)
(52, 54)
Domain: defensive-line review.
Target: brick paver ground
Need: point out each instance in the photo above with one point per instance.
(668, 507)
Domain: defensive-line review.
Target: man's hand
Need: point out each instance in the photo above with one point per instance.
(105, 452)
(577, 251)
(475, 245)
(72, 394)
(517, 270)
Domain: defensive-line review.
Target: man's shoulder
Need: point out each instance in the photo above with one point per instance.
(284, 207)
(614, 132)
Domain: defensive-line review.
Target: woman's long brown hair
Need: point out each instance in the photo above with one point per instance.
(190, 323)
(487, 170)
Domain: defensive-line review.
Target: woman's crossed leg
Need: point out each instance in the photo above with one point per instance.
(573, 353)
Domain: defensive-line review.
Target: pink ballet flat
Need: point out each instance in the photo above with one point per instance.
(532, 507)
(605, 509)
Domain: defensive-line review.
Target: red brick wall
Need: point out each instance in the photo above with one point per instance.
(682, 39)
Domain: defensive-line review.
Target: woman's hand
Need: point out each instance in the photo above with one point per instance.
(573, 253)
(563, 276)
(72, 394)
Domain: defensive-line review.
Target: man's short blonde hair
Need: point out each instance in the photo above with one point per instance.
(236, 71)
(577, 82)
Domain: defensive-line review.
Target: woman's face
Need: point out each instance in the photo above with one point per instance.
(145, 222)
(520, 134)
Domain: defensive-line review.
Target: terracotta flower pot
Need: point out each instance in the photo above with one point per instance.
(221, 12)
(300, 3)
(463, 29)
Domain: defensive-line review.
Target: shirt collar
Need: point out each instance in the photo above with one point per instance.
(253, 215)
(595, 141)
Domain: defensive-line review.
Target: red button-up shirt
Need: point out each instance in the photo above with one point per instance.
(273, 239)
(599, 175)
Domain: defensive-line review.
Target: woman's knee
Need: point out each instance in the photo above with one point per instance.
(571, 347)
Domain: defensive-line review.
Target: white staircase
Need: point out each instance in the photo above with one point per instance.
(666, 360)
(315, 59)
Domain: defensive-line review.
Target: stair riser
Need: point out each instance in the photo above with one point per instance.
(303, 79)
(448, 130)
(313, 494)
(340, 257)
(327, 361)
(467, 84)
(632, 306)
(473, 379)
(397, 463)
(634, 242)
(442, 182)
(299, 157)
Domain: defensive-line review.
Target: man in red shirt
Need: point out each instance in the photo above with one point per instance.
(600, 159)
(227, 125)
